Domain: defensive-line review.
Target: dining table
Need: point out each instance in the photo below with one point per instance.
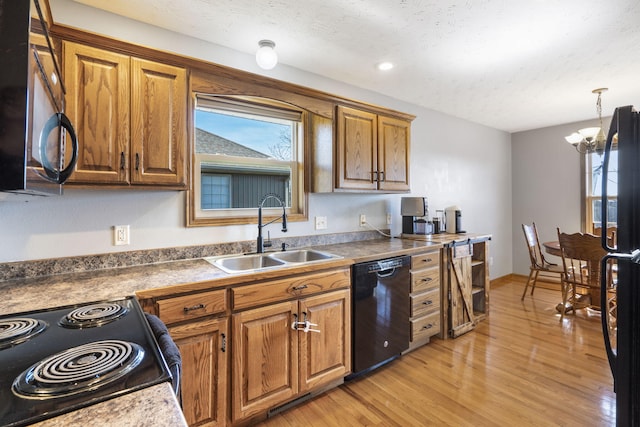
(552, 248)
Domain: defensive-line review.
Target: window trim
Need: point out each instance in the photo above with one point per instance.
(295, 213)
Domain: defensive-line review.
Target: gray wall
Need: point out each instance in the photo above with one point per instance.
(452, 162)
(546, 186)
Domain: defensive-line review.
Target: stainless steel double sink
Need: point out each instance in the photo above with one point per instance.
(259, 262)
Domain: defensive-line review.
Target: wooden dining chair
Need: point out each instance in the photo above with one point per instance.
(581, 255)
(538, 262)
(611, 234)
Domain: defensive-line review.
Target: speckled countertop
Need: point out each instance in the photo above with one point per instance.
(156, 405)
(150, 407)
(158, 279)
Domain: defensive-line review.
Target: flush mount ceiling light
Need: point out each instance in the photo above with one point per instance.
(384, 66)
(266, 56)
(589, 140)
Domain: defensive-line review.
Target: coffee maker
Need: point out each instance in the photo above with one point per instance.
(413, 211)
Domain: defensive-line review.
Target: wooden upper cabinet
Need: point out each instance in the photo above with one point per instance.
(97, 103)
(372, 151)
(357, 155)
(394, 138)
(158, 125)
(130, 117)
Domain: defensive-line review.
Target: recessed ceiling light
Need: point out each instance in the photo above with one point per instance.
(384, 66)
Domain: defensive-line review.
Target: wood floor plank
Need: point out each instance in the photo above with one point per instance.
(519, 367)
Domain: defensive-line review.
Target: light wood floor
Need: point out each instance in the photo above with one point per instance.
(520, 367)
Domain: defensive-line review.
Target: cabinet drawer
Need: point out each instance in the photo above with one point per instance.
(281, 290)
(425, 303)
(428, 260)
(426, 326)
(187, 307)
(425, 279)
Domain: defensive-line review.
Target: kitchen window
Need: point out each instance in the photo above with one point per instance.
(593, 180)
(244, 148)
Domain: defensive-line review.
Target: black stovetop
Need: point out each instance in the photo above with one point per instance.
(144, 366)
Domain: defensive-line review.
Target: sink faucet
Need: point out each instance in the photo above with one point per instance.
(259, 241)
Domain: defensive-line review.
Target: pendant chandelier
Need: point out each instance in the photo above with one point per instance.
(593, 139)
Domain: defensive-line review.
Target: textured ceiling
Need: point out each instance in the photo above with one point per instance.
(508, 64)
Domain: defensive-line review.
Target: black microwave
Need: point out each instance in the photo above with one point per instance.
(38, 146)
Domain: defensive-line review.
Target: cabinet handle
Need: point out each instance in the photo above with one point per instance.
(381, 173)
(427, 279)
(427, 260)
(224, 343)
(193, 307)
(122, 160)
(137, 161)
(374, 176)
(294, 324)
(428, 302)
(427, 326)
(299, 288)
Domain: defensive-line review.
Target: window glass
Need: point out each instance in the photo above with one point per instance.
(594, 190)
(245, 149)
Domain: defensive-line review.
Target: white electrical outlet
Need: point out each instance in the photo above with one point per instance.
(363, 220)
(321, 223)
(120, 235)
(388, 219)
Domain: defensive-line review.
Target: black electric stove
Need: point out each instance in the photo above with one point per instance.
(61, 359)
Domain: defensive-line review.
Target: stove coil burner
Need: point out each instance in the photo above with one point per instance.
(91, 316)
(78, 369)
(16, 330)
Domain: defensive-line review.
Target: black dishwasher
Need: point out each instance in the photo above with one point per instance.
(381, 325)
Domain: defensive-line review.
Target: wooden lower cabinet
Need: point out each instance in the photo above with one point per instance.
(468, 285)
(425, 297)
(326, 355)
(203, 347)
(265, 358)
(275, 360)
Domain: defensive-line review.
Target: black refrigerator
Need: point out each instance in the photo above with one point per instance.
(624, 356)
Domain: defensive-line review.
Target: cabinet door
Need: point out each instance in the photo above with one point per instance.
(394, 138)
(158, 128)
(461, 315)
(326, 355)
(265, 358)
(97, 103)
(203, 347)
(356, 157)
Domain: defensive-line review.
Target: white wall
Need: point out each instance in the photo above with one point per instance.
(452, 162)
(546, 186)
